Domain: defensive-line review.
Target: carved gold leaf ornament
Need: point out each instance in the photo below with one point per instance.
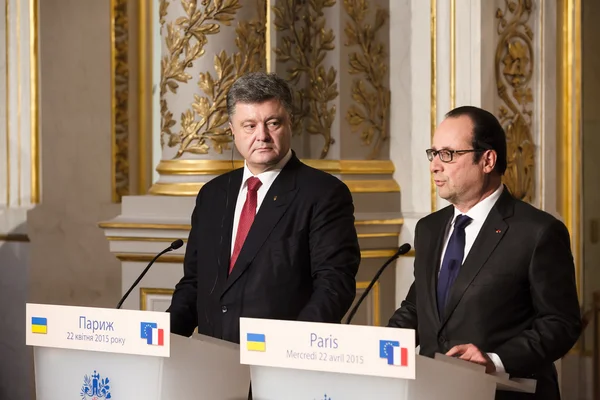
(120, 99)
(519, 173)
(205, 121)
(514, 70)
(303, 49)
(370, 113)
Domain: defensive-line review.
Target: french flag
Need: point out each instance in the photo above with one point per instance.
(156, 337)
(398, 356)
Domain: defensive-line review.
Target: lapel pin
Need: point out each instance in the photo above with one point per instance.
(498, 231)
(274, 198)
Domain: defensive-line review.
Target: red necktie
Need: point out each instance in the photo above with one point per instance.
(246, 218)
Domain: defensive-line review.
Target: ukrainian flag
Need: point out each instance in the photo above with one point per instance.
(39, 325)
(256, 342)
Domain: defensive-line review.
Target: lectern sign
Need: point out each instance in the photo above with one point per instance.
(98, 329)
(363, 350)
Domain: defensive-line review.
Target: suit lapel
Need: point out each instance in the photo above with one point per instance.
(230, 195)
(493, 230)
(276, 202)
(435, 257)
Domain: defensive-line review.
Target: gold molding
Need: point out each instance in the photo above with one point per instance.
(34, 100)
(138, 225)
(377, 235)
(268, 22)
(433, 30)
(145, 23)
(197, 167)
(377, 253)
(393, 221)
(169, 240)
(14, 237)
(353, 167)
(541, 90)
(217, 167)
(137, 257)
(19, 106)
(142, 239)
(375, 292)
(187, 227)
(372, 186)
(569, 75)
(452, 54)
(178, 258)
(119, 89)
(113, 134)
(176, 189)
(577, 144)
(355, 186)
(7, 37)
(145, 291)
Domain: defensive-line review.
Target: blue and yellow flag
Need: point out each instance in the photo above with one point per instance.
(256, 342)
(39, 325)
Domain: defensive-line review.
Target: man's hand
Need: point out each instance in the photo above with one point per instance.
(470, 352)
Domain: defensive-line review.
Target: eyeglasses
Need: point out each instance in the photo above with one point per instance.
(447, 155)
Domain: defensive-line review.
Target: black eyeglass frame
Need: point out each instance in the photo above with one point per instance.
(431, 153)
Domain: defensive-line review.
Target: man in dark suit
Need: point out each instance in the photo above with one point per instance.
(274, 239)
(494, 276)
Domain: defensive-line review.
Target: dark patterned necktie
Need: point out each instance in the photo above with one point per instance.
(453, 259)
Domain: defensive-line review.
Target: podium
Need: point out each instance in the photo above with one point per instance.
(301, 360)
(95, 353)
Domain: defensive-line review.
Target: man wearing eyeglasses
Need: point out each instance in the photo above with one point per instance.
(494, 276)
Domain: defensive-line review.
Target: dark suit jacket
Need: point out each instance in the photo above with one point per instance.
(299, 260)
(515, 294)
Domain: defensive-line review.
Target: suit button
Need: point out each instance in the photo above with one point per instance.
(442, 339)
(223, 309)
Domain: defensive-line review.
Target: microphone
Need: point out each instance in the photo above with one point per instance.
(405, 248)
(174, 246)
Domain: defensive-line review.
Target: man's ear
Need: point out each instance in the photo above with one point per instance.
(489, 160)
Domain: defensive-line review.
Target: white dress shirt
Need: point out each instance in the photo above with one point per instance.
(478, 214)
(267, 178)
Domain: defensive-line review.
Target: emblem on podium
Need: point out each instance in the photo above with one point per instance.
(95, 387)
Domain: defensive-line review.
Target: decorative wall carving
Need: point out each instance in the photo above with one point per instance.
(304, 45)
(369, 114)
(514, 65)
(204, 122)
(120, 97)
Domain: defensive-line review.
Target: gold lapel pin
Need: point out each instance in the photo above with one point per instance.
(274, 198)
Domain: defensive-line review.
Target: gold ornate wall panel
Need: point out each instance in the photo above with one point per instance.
(368, 61)
(119, 99)
(514, 70)
(201, 127)
(306, 39)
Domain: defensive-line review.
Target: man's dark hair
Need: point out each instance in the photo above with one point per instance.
(257, 87)
(488, 134)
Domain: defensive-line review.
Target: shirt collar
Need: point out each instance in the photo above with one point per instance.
(268, 176)
(480, 211)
